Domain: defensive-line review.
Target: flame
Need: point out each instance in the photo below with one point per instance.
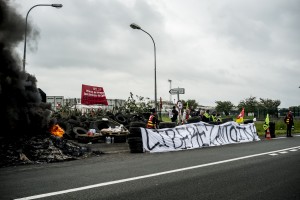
(57, 131)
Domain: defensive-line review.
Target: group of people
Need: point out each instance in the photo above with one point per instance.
(205, 117)
(180, 116)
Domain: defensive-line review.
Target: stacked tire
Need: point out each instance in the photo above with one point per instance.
(167, 124)
(135, 137)
(193, 120)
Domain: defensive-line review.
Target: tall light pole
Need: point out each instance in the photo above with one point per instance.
(24, 54)
(170, 81)
(135, 26)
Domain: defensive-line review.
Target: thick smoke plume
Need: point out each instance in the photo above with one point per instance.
(21, 110)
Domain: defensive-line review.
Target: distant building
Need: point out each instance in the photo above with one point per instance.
(55, 101)
(58, 101)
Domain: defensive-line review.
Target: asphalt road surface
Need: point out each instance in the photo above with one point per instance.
(268, 169)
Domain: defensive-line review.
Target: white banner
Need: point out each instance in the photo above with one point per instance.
(197, 135)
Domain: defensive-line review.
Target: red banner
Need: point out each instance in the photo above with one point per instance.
(93, 95)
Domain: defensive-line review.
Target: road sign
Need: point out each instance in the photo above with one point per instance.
(177, 91)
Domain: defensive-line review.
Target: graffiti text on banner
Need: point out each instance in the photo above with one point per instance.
(197, 135)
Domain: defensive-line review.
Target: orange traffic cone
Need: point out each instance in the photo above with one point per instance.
(268, 135)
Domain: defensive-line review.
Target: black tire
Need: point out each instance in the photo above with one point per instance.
(99, 125)
(248, 121)
(135, 132)
(135, 118)
(135, 140)
(138, 124)
(74, 122)
(229, 119)
(68, 128)
(193, 120)
(79, 131)
(215, 123)
(135, 145)
(120, 118)
(110, 115)
(167, 124)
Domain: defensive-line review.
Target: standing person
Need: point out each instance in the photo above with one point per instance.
(175, 114)
(206, 116)
(179, 106)
(289, 120)
(152, 121)
(201, 114)
(219, 117)
(213, 117)
(187, 114)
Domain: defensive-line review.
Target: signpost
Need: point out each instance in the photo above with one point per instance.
(177, 91)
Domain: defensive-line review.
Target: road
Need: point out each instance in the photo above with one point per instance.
(268, 169)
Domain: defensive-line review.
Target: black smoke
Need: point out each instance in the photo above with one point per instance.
(21, 110)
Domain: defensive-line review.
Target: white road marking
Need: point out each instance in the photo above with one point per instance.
(293, 150)
(283, 152)
(150, 175)
(274, 154)
(278, 138)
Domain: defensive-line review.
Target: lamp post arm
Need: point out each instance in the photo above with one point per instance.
(155, 86)
(24, 53)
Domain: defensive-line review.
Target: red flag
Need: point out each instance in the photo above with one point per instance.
(240, 117)
(93, 95)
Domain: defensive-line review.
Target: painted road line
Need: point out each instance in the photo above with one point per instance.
(274, 154)
(283, 152)
(150, 175)
(278, 138)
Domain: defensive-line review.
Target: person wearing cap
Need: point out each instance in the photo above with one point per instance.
(152, 121)
(289, 120)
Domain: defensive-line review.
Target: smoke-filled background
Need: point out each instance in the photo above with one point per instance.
(21, 112)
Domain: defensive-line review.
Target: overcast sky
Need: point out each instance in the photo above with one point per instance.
(218, 50)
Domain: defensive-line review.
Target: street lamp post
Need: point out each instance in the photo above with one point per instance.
(170, 81)
(135, 26)
(52, 5)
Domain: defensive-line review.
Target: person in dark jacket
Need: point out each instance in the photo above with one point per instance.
(175, 114)
(289, 120)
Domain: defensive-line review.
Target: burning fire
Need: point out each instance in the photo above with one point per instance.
(57, 131)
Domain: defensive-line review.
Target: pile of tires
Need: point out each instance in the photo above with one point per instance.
(135, 137)
(193, 120)
(228, 119)
(247, 121)
(167, 124)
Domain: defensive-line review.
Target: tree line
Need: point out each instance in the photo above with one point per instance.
(258, 107)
